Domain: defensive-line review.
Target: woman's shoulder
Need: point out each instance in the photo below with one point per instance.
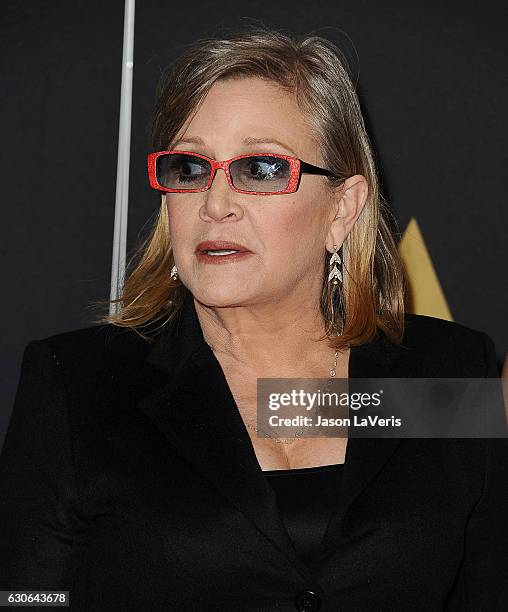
(93, 347)
(418, 327)
(448, 343)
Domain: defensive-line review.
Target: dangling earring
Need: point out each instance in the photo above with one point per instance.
(334, 271)
(174, 273)
(335, 274)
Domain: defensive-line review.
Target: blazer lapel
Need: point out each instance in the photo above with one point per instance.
(191, 403)
(365, 457)
(189, 400)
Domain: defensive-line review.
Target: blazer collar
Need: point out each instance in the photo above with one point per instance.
(191, 403)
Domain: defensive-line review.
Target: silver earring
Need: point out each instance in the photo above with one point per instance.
(174, 273)
(334, 271)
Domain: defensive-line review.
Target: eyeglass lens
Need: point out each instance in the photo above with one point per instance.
(257, 173)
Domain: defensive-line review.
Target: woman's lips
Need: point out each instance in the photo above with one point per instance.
(214, 245)
(222, 259)
(221, 252)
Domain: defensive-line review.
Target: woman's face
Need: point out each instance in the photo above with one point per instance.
(286, 233)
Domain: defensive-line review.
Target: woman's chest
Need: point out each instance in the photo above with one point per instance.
(277, 453)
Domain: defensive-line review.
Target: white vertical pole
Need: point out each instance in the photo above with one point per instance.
(122, 172)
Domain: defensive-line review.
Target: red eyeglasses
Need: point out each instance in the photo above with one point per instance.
(254, 173)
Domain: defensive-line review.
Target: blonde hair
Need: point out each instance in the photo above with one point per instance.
(314, 70)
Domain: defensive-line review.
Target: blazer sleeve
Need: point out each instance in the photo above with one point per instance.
(484, 583)
(40, 528)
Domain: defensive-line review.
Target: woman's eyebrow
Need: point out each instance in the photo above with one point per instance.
(189, 140)
(263, 140)
(246, 141)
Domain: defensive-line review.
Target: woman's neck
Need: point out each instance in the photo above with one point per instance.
(270, 337)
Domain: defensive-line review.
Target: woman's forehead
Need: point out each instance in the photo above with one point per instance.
(251, 115)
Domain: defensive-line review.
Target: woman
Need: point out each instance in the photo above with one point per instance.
(133, 475)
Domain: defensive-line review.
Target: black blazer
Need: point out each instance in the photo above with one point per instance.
(128, 478)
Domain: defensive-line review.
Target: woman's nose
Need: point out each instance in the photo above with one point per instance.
(219, 198)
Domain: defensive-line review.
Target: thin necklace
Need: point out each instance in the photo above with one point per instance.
(333, 372)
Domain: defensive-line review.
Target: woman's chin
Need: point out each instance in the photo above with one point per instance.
(220, 296)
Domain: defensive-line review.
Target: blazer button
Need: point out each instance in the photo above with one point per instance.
(307, 601)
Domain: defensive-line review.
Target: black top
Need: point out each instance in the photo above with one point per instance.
(305, 497)
(127, 478)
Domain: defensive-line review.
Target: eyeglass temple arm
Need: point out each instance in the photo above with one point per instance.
(310, 169)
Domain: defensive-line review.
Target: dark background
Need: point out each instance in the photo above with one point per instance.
(433, 87)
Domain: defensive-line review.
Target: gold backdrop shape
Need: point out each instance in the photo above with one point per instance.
(425, 297)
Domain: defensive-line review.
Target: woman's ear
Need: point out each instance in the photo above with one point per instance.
(348, 204)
